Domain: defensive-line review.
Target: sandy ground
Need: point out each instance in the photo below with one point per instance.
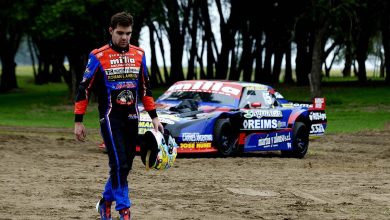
(45, 174)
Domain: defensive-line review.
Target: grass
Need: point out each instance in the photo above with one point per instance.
(350, 107)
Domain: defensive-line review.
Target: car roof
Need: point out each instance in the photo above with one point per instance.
(240, 83)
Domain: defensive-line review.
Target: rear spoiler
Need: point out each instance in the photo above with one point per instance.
(317, 104)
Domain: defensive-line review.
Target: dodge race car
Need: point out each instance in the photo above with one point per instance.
(228, 117)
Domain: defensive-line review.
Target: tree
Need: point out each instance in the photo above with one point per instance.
(177, 21)
(386, 38)
(368, 23)
(13, 23)
(303, 37)
(325, 13)
(228, 29)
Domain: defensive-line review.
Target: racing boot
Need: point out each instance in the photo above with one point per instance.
(124, 214)
(104, 209)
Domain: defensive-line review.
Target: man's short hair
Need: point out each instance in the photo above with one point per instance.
(122, 18)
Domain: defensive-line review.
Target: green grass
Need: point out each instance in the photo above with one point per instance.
(349, 108)
(38, 105)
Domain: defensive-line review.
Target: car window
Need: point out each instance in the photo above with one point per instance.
(200, 97)
(260, 96)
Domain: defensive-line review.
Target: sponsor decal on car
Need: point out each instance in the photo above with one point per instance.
(280, 140)
(257, 87)
(319, 103)
(263, 113)
(316, 116)
(196, 137)
(144, 126)
(256, 124)
(273, 141)
(303, 105)
(317, 129)
(287, 105)
(165, 119)
(192, 145)
(208, 86)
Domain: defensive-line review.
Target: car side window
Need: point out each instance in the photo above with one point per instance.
(249, 97)
(255, 96)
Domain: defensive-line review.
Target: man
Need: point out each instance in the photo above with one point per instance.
(117, 74)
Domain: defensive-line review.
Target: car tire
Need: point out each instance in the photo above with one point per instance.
(225, 138)
(300, 141)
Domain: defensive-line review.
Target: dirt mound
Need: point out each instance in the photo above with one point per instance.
(45, 174)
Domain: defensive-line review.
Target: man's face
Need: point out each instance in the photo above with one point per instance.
(121, 35)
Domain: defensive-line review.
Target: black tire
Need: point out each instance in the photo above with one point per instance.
(300, 141)
(225, 138)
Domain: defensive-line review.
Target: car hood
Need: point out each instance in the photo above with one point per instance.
(173, 120)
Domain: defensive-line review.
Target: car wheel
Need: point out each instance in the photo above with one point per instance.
(300, 141)
(225, 138)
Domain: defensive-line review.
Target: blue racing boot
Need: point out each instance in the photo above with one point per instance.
(124, 214)
(104, 209)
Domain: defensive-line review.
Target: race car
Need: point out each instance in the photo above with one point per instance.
(229, 117)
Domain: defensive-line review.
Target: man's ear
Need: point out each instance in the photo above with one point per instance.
(110, 30)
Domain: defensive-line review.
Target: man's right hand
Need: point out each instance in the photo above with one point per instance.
(79, 131)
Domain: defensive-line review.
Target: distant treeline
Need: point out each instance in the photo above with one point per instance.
(254, 38)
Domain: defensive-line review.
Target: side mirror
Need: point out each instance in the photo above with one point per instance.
(255, 105)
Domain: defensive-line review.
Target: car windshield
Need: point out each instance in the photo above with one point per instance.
(220, 99)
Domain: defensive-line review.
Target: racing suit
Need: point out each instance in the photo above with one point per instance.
(118, 77)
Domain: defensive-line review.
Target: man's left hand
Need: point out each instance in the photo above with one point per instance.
(157, 125)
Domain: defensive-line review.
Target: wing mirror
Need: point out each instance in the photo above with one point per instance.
(255, 105)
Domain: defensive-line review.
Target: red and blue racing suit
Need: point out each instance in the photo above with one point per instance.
(118, 77)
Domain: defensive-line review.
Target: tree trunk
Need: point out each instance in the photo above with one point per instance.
(193, 32)
(267, 77)
(329, 68)
(77, 67)
(8, 74)
(208, 38)
(58, 69)
(154, 69)
(176, 32)
(258, 55)
(288, 71)
(348, 60)
(304, 54)
(277, 65)
(161, 45)
(44, 61)
(361, 56)
(233, 70)
(316, 70)
(228, 31)
(246, 61)
(386, 40)
(9, 44)
(32, 49)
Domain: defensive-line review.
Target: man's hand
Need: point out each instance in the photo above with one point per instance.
(79, 131)
(157, 125)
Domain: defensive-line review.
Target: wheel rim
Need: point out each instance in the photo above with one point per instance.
(302, 141)
(226, 140)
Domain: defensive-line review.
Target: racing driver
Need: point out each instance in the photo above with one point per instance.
(117, 74)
